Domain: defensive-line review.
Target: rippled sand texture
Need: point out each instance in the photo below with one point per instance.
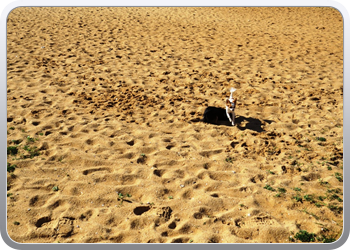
(104, 109)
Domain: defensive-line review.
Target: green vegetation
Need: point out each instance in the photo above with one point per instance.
(229, 159)
(298, 198)
(334, 208)
(308, 197)
(10, 168)
(270, 172)
(304, 236)
(121, 197)
(32, 151)
(326, 239)
(339, 177)
(268, 187)
(12, 150)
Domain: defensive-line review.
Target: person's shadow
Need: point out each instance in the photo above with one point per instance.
(217, 116)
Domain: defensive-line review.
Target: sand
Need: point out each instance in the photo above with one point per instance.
(104, 107)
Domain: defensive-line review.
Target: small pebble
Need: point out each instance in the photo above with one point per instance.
(182, 186)
(29, 209)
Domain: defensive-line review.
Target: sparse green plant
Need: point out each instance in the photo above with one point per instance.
(337, 191)
(9, 194)
(30, 139)
(229, 159)
(16, 141)
(55, 188)
(308, 197)
(339, 176)
(322, 182)
(10, 168)
(33, 151)
(121, 197)
(335, 208)
(12, 128)
(312, 214)
(170, 197)
(12, 150)
(317, 204)
(268, 187)
(297, 189)
(329, 168)
(322, 198)
(270, 172)
(326, 239)
(320, 138)
(335, 197)
(282, 190)
(304, 236)
(16, 223)
(298, 198)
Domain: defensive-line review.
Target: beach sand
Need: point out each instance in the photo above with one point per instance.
(105, 138)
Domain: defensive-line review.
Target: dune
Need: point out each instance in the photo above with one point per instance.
(105, 138)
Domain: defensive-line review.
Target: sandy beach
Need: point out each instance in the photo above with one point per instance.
(105, 142)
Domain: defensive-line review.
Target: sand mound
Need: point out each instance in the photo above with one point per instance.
(105, 142)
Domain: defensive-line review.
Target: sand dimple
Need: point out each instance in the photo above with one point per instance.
(105, 138)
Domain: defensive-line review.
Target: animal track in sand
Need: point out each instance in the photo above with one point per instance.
(165, 213)
(257, 178)
(159, 172)
(180, 240)
(141, 209)
(208, 153)
(39, 200)
(91, 170)
(172, 225)
(65, 227)
(40, 222)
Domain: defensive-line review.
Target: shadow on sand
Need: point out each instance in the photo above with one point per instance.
(217, 116)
